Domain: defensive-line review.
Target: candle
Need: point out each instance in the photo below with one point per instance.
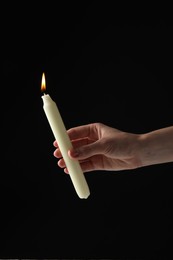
(64, 143)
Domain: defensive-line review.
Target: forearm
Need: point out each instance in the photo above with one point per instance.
(157, 146)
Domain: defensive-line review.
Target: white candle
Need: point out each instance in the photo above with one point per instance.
(64, 143)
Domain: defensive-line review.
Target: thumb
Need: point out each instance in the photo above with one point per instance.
(86, 151)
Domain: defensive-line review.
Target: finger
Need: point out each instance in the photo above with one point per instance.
(55, 143)
(75, 143)
(81, 142)
(66, 170)
(61, 163)
(88, 165)
(96, 163)
(87, 151)
(57, 153)
(79, 132)
(74, 133)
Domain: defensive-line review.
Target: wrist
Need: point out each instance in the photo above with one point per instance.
(156, 147)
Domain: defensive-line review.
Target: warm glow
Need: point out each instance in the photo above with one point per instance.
(43, 83)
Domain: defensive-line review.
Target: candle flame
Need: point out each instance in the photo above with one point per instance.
(43, 83)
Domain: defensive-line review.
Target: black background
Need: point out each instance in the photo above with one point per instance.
(103, 63)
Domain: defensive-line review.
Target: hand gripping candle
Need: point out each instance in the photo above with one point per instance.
(64, 143)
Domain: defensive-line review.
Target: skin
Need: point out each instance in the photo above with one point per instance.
(100, 147)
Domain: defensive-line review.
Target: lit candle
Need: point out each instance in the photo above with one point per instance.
(64, 143)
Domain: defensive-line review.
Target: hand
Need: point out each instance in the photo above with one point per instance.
(100, 147)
